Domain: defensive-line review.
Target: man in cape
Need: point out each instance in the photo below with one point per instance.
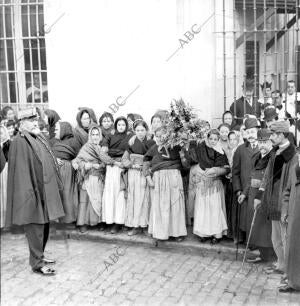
(34, 189)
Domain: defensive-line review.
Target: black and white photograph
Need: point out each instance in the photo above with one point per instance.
(150, 152)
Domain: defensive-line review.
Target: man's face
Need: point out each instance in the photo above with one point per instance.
(248, 94)
(291, 88)
(276, 99)
(264, 146)
(31, 126)
(268, 92)
(276, 138)
(11, 130)
(251, 134)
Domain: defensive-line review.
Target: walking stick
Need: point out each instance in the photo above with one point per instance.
(237, 229)
(251, 228)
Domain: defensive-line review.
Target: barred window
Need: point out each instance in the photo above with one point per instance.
(23, 67)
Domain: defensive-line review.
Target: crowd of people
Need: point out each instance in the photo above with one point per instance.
(115, 174)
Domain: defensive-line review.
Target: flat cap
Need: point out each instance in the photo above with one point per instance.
(281, 126)
(263, 134)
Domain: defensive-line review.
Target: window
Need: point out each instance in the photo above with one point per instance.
(23, 67)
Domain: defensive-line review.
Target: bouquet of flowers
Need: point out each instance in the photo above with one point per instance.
(183, 126)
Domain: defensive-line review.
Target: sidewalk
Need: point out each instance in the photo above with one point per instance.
(226, 248)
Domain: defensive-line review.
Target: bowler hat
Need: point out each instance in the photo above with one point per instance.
(27, 113)
(251, 123)
(270, 113)
(263, 134)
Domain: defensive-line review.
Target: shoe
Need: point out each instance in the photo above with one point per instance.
(215, 240)
(83, 229)
(286, 289)
(202, 239)
(273, 271)
(133, 232)
(126, 228)
(101, 228)
(179, 239)
(45, 271)
(115, 228)
(49, 261)
(254, 260)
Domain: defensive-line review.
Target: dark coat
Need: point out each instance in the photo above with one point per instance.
(262, 229)
(241, 172)
(33, 193)
(271, 191)
(2, 160)
(291, 207)
(241, 107)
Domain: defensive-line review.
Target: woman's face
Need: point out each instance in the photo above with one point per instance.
(213, 140)
(95, 136)
(228, 118)
(11, 130)
(106, 123)
(10, 115)
(156, 123)
(140, 132)
(121, 126)
(2, 133)
(57, 130)
(85, 120)
(224, 131)
(159, 138)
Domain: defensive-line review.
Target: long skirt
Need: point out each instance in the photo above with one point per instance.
(70, 192)
(90, 201)
(114, 201)
(3, 195)
(167, 214)
(191, 194)
(210, 210)
(138, 201)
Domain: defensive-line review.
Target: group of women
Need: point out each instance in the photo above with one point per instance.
(118, 174)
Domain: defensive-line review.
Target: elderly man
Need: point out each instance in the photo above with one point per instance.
(241, 169)
(280, 166)
(34, 189)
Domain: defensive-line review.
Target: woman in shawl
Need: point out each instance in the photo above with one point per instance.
(106, 122)
(65, 149)
(210, 211)
(224, 130)
(167, 213)
(115, 190)
(138, 202)
(131, 118)
(90, 163)
(4, 138)
(51, 118)
(85, 120)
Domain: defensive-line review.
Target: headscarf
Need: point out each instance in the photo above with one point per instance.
(53, 118)
(118, 142)
(81, 133)
(91, 153)
(67, 147)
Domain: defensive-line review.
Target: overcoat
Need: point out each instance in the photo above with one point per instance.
(33, 193)
(241, 172)
(291, 207)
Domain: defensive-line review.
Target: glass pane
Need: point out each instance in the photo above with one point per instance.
(29, 88)
(44, 87)
(12, 88)
(43, 54)
(35, 59)
(24, 21)
(8, 21)
(1, 21)
(10, 55)
(33, 28)
(3, 86)
(41, 21)
(2, 56)
(26, 54)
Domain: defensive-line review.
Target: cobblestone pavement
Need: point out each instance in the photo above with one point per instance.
(95, 273)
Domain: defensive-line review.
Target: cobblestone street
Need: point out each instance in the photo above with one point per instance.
(96, 273)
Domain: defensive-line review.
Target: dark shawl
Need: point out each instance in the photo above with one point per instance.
(53, 117)
(141, 147)
(82, 134)
(161, 160)
(68, 146)
(208, 157)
